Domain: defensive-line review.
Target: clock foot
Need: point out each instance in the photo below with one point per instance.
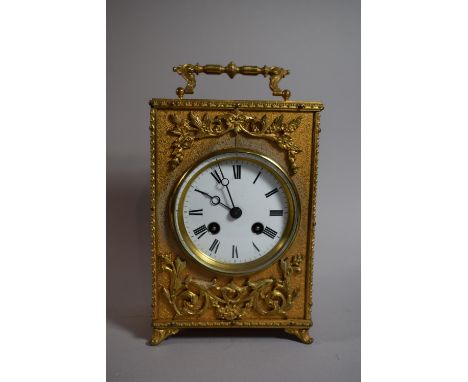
(302, 334)
(159, 335)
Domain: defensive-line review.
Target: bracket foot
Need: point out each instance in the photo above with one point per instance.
(301, 334)
(159, 335)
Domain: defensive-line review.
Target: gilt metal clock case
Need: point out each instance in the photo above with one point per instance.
(233, 190)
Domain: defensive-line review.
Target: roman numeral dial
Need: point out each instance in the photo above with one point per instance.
(272, 192)
(196, 212)
(237, 171)
(214, 246)
(235, 212)
(271, 233)
(276, 212)
(200, 231)
(216, 176)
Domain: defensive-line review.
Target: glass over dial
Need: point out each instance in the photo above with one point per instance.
(236, 212)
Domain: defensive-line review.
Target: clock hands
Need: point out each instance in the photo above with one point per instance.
(225, 182)
(235, 212)
(215, 200)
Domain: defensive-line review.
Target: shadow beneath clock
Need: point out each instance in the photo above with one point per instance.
(234, 333)
(128, 258)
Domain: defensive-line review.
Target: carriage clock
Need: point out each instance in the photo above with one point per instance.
(233, 188)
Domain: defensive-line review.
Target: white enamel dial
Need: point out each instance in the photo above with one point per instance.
(236, 212)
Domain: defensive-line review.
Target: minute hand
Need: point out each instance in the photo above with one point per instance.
(225, 183)
(230, 197)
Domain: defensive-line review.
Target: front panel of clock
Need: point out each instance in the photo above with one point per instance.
(235, 212)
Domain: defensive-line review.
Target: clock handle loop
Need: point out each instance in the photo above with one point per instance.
(188, 72)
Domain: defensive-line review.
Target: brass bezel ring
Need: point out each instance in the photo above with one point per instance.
(236, 269)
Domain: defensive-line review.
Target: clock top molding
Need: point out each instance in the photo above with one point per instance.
(273, 105)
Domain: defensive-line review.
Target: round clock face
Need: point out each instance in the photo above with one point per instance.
(236, 212)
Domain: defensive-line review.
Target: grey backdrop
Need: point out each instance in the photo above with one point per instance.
(319, 41)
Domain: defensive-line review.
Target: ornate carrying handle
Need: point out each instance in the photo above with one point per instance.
(188, 72)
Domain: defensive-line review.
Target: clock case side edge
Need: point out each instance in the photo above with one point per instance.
(154, 260)
(312, 214)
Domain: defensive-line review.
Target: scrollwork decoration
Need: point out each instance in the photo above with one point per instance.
(195, 128)
(190, 296)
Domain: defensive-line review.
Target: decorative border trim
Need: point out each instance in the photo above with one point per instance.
(164, 103)
(154, 264)
(291, 323)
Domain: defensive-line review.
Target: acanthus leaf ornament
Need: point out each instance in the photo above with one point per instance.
(195, 128)
(269, 296)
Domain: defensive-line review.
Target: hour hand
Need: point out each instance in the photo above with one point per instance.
(215, 200)
(203, 192)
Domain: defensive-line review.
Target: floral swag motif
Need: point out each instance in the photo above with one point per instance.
(189, 296)
(194, 128)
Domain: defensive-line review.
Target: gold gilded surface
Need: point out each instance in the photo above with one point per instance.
(195, 127)
(190, 296)
(163, 183)
(211, 104)
(188, 72)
